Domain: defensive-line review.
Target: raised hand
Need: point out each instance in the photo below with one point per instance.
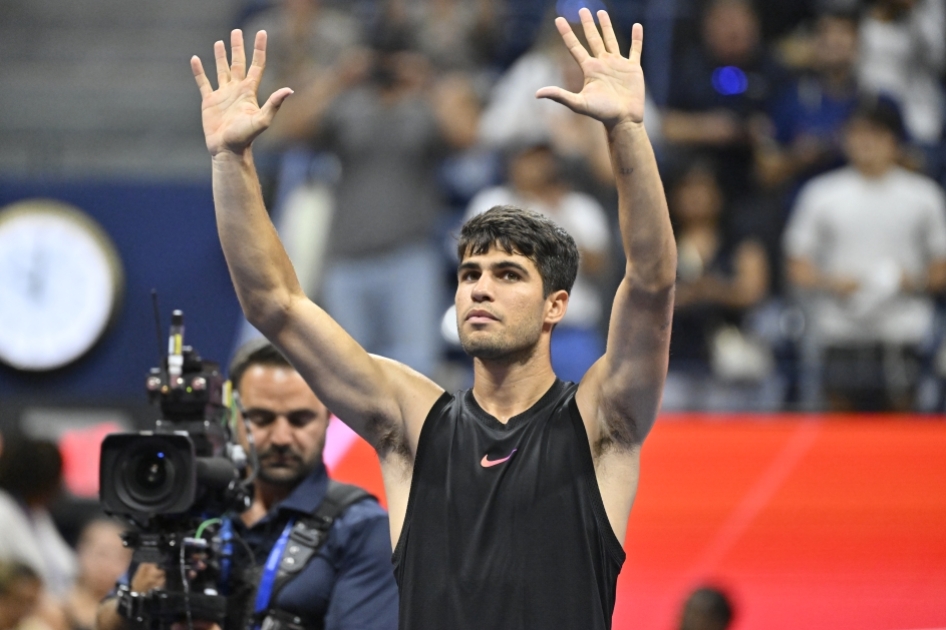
(231, 114)
(614, 86)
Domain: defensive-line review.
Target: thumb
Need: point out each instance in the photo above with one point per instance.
(273, 103)
(569, 99)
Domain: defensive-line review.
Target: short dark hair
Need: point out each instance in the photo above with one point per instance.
(13, 571)
(525, 232)
(254, 352)
(712, 606)
(880, 111)
(30, 469)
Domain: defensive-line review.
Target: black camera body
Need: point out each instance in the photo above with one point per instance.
(173, 484)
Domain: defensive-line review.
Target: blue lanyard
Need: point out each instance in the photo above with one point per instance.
(226, 562)
(265, 591)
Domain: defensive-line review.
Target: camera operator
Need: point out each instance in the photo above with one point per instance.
(349, 582)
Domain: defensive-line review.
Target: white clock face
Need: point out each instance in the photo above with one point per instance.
(60, 281)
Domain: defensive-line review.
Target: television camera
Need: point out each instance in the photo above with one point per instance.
(173, 484)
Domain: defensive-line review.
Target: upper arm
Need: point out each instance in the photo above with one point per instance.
(752, 272)
(385, 402)
(619, 396)
(365, 594)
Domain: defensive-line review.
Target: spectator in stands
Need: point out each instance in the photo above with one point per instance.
(30, 479)
(536, 182)
(389, 125)
(20, 592)
(808, 116)
(103, 559)
(867, 245)
(719, 87)
(305, 40)
(514, 117)
(903, 53)
(453, 34)
(721, 275)
(707, 608)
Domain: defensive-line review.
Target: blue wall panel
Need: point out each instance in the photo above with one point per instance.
(166, 237)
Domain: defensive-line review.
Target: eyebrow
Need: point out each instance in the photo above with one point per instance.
(502, 264)
(276, 413)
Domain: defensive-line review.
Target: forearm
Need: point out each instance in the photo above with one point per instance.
(107, 617)
(262, 273)
(644, 220)
(804, 274)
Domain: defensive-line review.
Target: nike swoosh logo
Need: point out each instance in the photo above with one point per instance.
(486, 462)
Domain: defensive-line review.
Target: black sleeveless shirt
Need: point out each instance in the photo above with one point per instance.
(505, 527)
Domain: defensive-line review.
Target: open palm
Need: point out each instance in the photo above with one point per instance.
(231, 114)
(613, 91)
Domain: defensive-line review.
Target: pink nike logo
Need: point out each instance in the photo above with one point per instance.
(486, 462)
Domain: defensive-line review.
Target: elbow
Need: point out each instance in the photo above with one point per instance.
(268, 314)
(654, 274)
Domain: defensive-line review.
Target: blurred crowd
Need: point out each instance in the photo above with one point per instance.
(47, 582)
(801, 146)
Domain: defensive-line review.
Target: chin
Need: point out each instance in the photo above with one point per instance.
(282, 476)
(497, 350)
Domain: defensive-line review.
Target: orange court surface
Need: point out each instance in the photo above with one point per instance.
(805, 521)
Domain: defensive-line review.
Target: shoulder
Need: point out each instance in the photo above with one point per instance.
(363, 515)
(917, 183)
(837, 182)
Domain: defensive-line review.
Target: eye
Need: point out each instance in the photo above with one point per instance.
(511, 275)
(469, 275)
(300, 419)
(260, 417)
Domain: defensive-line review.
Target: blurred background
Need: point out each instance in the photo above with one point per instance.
(801, 145)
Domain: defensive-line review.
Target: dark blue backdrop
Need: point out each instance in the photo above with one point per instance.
(167, 240)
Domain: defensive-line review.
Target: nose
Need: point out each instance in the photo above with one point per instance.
(280, 432)
(482, 289)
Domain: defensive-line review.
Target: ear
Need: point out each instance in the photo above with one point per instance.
(555, 306)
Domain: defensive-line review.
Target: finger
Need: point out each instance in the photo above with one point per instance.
(223, 69)
(607, 32)
(272, 105)
(238, 63)
(568, 99)
(591, 32)
(259, 58)
(571, 42)
(637, 43)
(203, 83)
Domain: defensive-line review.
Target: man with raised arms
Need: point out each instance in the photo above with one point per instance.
(508, 502)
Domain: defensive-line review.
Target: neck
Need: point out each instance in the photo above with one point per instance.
(874, 171)
(265, 496)
(505, 388)
(838, 81)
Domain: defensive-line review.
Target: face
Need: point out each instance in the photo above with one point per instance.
(697, 199)
(731, 31)
(20, 601)
(287, 421)
(836, 44)
(501, 310)
(870, 148)
(102, 556)
(532, 169)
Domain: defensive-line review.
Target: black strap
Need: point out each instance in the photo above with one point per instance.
(310, 532)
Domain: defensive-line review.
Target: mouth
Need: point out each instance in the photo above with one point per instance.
(279, 460)
(479, 316)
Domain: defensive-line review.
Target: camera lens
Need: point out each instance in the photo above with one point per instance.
(151, 473)
(149, 476)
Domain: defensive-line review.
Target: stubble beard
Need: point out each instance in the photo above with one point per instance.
(287, 475)
(516, 348)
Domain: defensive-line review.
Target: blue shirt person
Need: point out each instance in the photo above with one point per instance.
(349, 584)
